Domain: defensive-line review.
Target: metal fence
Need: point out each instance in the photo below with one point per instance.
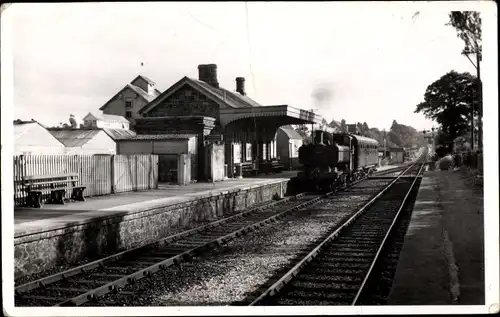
(101, 174)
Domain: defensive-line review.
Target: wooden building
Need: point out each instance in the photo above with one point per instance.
(177, 154)
(397, 155)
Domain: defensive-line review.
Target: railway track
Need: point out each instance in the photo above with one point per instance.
(90, 281)
(337, 270)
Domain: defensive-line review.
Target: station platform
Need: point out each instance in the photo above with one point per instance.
(442, 258)
(107, 224)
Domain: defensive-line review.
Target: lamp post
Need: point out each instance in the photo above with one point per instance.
(477, 66)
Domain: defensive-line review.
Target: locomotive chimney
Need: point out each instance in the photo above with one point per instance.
(208, 74)
(240, 85)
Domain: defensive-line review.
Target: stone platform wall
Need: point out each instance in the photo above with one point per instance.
(38, 252)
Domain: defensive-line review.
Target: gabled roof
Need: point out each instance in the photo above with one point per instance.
(335, 123)
(149, 81)
(22, 127)
(143, 94)
(74, 137)
(107, 117)
(291, 133)
(223, 97)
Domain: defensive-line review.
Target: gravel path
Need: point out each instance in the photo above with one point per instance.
(244, 265)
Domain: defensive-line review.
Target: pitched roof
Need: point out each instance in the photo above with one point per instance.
(143, 94)
(291, 133)
(118, 134)
(233, 99)
(22, 127)
(335, 123)
(157, 137)
(145, 78)
(221, 96)
(74, 137)
(108, 117)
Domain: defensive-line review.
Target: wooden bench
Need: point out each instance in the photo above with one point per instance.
(247, 169)
(54, 186)
(277, 167)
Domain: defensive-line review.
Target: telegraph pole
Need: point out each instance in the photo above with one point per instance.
(479, 97)
(480, 102)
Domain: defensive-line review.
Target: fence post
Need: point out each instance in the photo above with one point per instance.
(150, 170)
(136, 181)
(112, 172)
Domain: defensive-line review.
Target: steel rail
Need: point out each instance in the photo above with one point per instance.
(98, 263)
(131, 278)
(287, 277)
(388, 233)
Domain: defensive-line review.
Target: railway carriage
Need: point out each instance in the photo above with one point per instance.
(334, 159)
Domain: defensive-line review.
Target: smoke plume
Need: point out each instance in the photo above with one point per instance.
(322, 95)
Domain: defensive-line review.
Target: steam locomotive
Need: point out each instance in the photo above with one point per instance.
(334, 159)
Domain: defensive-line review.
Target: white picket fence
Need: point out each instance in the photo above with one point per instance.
(101, 174)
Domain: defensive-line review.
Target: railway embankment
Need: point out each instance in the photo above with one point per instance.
(442, 259)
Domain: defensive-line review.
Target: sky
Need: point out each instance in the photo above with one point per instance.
(368, 62)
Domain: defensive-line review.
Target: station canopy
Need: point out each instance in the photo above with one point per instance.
(259, 124)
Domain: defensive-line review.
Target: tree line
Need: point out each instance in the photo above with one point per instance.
(399, 135)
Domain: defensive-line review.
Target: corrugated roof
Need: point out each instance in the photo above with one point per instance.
(291, 133)
(157, 137)
(74, 137)
(117, 134)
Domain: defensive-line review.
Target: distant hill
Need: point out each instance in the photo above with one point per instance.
(399, 135)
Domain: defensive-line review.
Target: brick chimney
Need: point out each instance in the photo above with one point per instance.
(240, 85)
(208, 74)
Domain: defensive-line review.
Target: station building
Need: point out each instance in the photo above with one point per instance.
(229, 122)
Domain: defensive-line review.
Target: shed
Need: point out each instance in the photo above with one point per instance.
(30, 137)
(84, 141)
(169, 148)
(397, 154)
(288, 142)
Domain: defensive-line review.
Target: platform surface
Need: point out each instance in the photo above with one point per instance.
(53, 216)
(442, 259)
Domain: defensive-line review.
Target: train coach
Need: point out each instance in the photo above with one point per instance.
(335, 159)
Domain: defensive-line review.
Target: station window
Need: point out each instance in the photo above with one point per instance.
(128, 104)
(128, 114)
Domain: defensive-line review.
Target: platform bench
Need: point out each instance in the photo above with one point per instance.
(247, 169)
(276, 166)
(53, 186)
